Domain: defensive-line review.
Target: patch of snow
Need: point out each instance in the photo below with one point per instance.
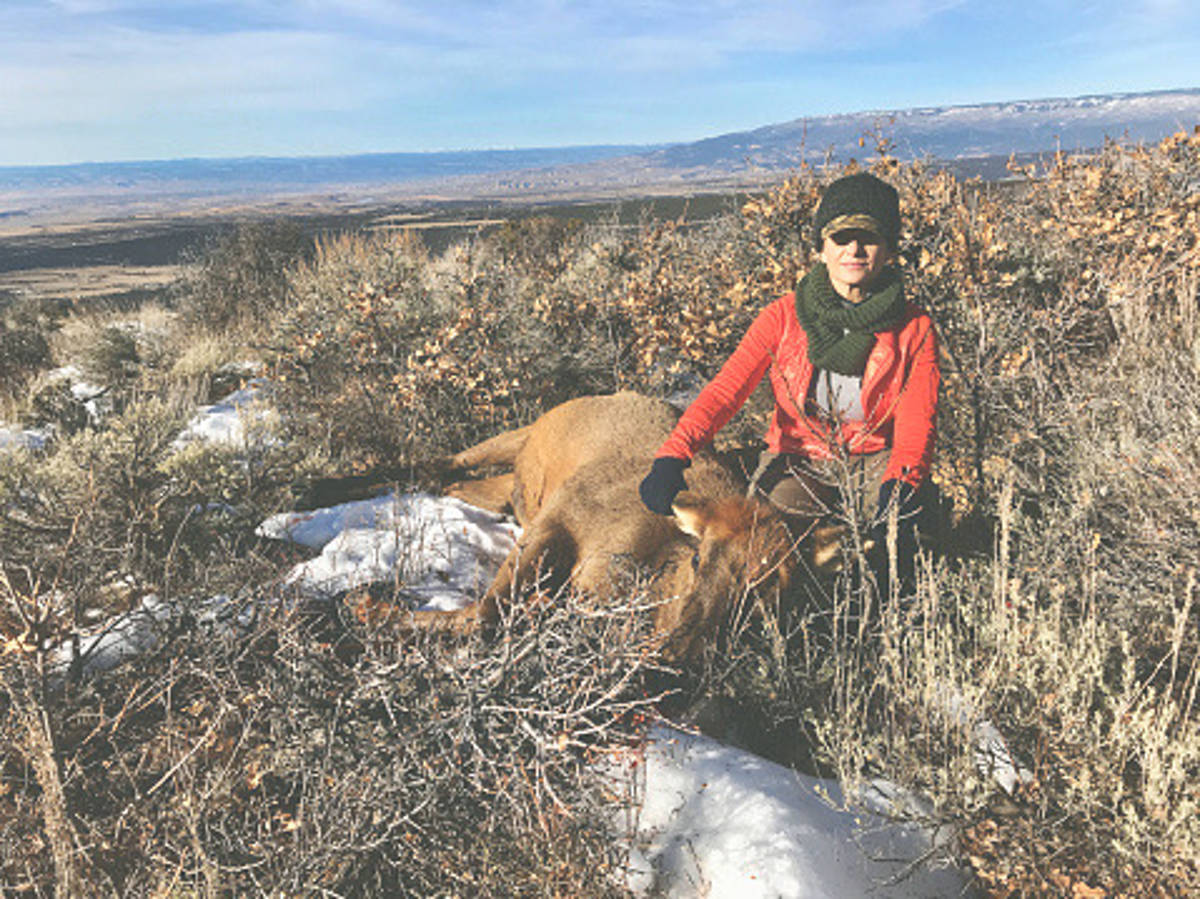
(441, 551)
(993, 758)
(242, 417)
(710, 820)
(316, 528)
(121, 637)
(244, 368)
(83, 390)
(93, 397)
(23, 438)
(142, 629)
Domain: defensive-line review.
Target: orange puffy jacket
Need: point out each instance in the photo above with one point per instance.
(899, 394)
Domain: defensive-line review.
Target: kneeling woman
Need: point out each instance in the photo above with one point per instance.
(854, 371)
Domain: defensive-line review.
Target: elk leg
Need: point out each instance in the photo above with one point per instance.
(499, 450)
(494, 494)
(540, 550)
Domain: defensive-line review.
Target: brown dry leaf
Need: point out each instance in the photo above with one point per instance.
(285, 823)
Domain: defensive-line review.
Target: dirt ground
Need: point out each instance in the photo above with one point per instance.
(88, 282)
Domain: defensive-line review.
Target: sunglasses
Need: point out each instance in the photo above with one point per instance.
(841, 238)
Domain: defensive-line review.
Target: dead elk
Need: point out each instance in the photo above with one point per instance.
(573, 489)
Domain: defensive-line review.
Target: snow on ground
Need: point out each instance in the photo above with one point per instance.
(120, 638)
(241, 416)
(91, 396)
(18, 438)
(440, 551)
(141, 629)
(712, 820)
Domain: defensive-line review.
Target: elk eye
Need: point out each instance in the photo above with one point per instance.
(696, 560)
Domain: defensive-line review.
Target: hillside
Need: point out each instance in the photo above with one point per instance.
(266, 744)
(947, 134)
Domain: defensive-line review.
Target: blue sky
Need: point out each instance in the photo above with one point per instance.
(99, 80)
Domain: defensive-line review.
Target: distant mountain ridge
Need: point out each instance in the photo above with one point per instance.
(950, 132)
(975, 139)
(306, 170)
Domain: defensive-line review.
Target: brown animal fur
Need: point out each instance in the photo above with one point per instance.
(573, 489)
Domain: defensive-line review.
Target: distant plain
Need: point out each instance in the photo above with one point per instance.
(112, 257)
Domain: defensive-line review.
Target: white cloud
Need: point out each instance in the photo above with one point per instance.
(86, 81)
(1164, 9)
(722, 25)
(87, 59)
(412, 69)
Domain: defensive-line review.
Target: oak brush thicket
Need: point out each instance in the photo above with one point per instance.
(318, 751)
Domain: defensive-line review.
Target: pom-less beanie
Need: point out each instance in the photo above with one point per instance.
(859, 201)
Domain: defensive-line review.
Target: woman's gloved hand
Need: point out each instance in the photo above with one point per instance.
(902, 495)
(665, 479)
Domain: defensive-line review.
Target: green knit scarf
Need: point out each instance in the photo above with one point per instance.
(841, 334)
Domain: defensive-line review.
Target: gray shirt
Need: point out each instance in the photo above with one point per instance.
(836, 396)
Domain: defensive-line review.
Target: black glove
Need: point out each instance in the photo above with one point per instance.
(903, 495)
(658, 488)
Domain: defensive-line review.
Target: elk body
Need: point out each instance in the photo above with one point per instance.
(573, 489)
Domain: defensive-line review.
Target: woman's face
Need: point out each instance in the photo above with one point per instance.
(854, 258)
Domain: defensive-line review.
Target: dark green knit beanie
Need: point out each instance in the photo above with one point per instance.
(859, 201)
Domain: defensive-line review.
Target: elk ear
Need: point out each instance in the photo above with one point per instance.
(826, 547)
(691, 513)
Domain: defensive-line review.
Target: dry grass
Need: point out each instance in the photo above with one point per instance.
(303, 756)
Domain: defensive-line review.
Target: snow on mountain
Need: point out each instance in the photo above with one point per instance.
(949, 132)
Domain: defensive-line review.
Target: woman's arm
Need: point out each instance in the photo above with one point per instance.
(915, 424)
(727, 392)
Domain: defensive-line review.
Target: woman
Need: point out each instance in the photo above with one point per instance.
(854, 371)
